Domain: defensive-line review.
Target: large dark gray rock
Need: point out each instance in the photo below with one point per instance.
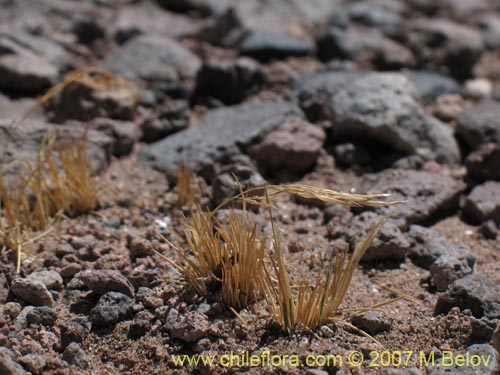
(480, 124)
(483, 164)
(439, 43)
(276, 16)
(152, 58)
(430, 85)
(489, 25)
(225, 186)
(148, 18)
(12, 110)
(380, 107)
(266, 45)
(229, 81)
(19, 41)
(483, 203)
(390, 243)
(427, 246)
(328, 83)
(123, 133)
(364, 45)
(26, 72)
(386, 16)
(427, 194)
(219, 134)
(473, 292)
(172, 116)
(26, 139)
(315, 92)
(204, 7)
(454, 265)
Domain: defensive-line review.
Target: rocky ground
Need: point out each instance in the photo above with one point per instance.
(374, 96)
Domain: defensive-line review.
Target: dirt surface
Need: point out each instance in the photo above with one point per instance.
(397, 97)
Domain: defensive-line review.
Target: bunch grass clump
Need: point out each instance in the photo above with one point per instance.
(71, 188)
(61, 181)
(228, 260)
(235, 260)
(40, 192)
(313, 304)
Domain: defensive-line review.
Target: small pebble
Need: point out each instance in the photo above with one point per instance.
(104, 281)
(489, 230)
(34, 363)
(12, 309)
(70, 270)
(51, 279)
(7, 364)
(43, 315)
(479, 88)
(112, 308)
(75, 355)
(32, 291)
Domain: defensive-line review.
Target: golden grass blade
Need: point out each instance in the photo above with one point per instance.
(285, 302)
(345, 275)
(256, 196)
(333, 196)
(316, 304)
(70, 78)
(354, 328)
(187, 189)
(246, 265)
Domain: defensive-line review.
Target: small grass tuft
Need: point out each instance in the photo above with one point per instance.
(60, 182)
(72, 188)
(314, 304)
(228, 260)
(203, 267)
(31, 203)
(242, 272)
(187, 189)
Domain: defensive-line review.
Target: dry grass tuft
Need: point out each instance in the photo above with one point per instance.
(203, 267)
(313, 304)
(231, 260)
(73, 188)
(33, 201)
(187, 189)
(226, 260)
(60, 182)
(242, 272)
